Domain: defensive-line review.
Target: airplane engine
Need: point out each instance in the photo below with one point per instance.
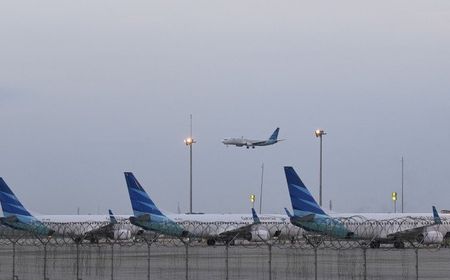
(258, 235)
(122, 234)
(431, 237)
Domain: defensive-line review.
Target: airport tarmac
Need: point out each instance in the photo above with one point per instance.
(169, 262)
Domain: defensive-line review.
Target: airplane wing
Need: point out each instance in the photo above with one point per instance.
(103, 231)
(240, 231)
(237, 232)
(256, 143)
(409, 234)
(413, 233)
(97, 230)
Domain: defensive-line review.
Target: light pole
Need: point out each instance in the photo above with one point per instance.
(261, 192)
(319, 133)
(402, 185)
(189, 141)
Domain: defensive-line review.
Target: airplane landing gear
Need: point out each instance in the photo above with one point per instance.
(211, 242)
(374, 244)
(399, 245)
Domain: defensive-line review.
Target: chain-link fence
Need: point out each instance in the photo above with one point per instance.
(73, 252)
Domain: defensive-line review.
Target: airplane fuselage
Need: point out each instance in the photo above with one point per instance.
(211, 225)
(241, 142)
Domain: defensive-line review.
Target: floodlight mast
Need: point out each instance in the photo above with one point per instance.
(319, 133)
(189, 142)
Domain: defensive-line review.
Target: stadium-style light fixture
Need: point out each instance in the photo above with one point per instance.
(394, 196)
(320, 132)
(189, 141)
(252, 200)
(394, 199)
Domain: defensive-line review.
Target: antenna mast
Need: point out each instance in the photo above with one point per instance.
(261, 191)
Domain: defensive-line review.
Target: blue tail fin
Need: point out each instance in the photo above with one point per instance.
(140, 201)
(112, 219)
(274, 135)
(437, 219)
(11, 205)
(256, 219)
(16, 216)
(302, 201)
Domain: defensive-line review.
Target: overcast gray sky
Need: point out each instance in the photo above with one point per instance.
(89, 90)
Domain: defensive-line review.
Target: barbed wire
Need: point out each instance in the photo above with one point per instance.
(411, 232)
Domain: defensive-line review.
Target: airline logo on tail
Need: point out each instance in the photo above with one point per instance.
(112, 219)
(10, 204)
(307, 213)
(274, 135)
(15, 214)
(140, 201)
(437, 219)
(146, 213)
(256, 219)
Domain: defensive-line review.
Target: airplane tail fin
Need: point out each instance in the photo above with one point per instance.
(112, 219)
(302, 201)
(437, 219)
(140, 200)
(256, 219)
(11, 205)
(274, 135)
(16, 215)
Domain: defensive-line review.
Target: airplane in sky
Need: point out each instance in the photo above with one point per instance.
(212, 227)
(377, 228)
(241, 142)
(77, 227)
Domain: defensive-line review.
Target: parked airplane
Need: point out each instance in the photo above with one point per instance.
(77, 227)
(212, 227)
(395, 228)
(240, 142)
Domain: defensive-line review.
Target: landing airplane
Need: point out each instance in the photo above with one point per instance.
(77, 227)
(376, 228)
(241, 142)
(212, 227)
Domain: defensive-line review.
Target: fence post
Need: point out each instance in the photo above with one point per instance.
(112, 261)
(45, 261)
(270, 261)
(148, 261)
(78, 260)
(186, 244)
(226, 261)
(365, 262)
(14, 276)
(315, 262)
(417, 262)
